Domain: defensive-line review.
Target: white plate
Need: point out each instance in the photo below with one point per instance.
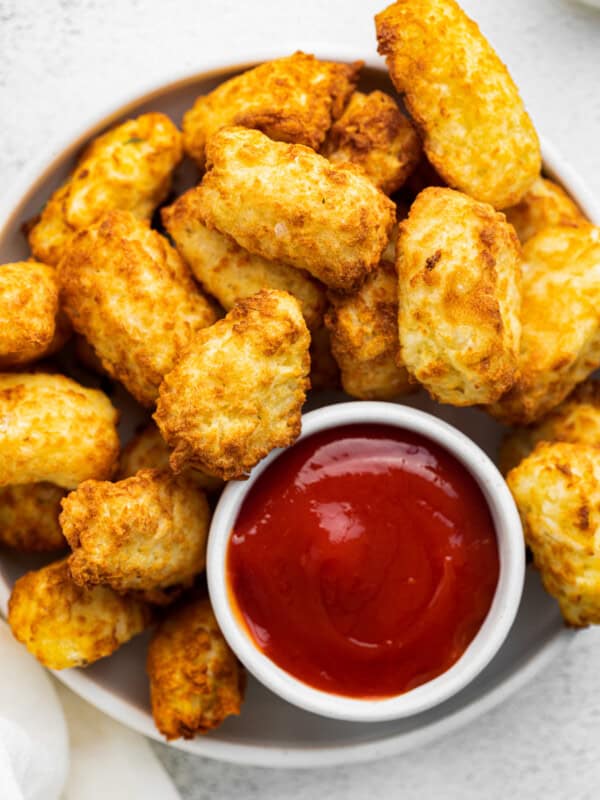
(270, 732)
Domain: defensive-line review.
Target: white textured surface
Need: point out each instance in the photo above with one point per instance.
(64, 60)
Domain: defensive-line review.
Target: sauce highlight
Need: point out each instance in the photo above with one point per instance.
(364, 560)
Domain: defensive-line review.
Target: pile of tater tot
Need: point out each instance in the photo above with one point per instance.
(335, 238)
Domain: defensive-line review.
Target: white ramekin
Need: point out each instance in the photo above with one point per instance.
(486, 643)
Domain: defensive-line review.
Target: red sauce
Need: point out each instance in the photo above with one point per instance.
(364, 560)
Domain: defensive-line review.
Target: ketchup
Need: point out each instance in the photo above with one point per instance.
(363, 560)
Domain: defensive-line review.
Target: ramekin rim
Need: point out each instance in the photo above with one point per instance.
(488, 639)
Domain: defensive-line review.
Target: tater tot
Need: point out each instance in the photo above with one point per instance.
(148, 450)
(133, 298)
(575, 420)
(238, 391)
(227, 271)
(292, 99)
(364, 338)
(28, 307)
(374, 134)
(64, 625)
(286, 203)
(557, 492)
(128, 168)
(29, 517)
(560, 341)
(144, 532)
(544, 205)
(52, 429)
(459, 290)
(474, 127)
(195, 679)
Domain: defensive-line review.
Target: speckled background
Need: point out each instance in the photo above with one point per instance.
(63, 61)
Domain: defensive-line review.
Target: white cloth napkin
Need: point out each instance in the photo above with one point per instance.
(54, 746)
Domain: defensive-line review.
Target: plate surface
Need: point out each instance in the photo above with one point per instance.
(270, 732)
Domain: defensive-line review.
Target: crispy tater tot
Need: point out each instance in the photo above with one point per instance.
(29, 517)
(459, 289)
(28, 307)
(195, 679)
(364, 338)
(324, 369)
(575, 420)
(560, 341)
(133, 298)
(148, 450)
(52, 429)
(292, 99)
(64, 625)
(229, 272)
(374, 134)
(128, 168)
(287, 203)
(475, 129)
(557, 492)
(252, 368)
(544, 205)
(144, 532)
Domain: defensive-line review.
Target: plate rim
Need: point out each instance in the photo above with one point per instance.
(303, 757)
(21, 190)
